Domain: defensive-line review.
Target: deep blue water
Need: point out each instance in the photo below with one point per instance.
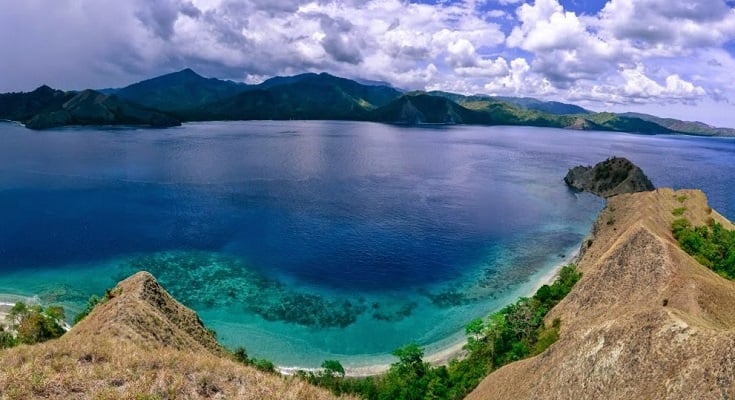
(308, 240)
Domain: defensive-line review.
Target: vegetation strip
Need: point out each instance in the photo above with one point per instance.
(513, 333)
(711, 245)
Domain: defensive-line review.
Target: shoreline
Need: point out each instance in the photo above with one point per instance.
(436, 357)
(444, 355)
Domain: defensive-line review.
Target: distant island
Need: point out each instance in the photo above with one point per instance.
(186, 96)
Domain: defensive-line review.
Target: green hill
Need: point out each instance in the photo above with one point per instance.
(686, 127)
(178, 91)
(622, 123)
(307, 96)
(23, 106)
(424, 109)
(93, 108)
(188, 96)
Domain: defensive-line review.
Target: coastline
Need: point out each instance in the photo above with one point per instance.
(444, 351)
(444, 355)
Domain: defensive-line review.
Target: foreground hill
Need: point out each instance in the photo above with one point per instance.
(646, 321)
(141, 343)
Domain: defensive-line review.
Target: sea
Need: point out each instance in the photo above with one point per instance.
(304, 241)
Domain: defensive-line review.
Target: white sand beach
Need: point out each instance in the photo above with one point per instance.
(444, 355)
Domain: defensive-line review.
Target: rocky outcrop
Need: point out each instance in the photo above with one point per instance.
(140, 343)
(93, 108)
(611, 177)
(646, 321)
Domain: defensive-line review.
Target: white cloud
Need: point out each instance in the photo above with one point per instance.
(641, 87)
(668, 27)
(632, 51)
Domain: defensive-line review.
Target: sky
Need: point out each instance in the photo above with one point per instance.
(672, 58)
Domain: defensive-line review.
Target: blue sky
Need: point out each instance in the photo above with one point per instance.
(670, 57)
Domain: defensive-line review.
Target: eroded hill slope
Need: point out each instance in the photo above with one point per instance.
(141, 343)
(646, 321)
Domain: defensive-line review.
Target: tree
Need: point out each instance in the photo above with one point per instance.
(17, 313)
(33, 324)
(333, 367)
(7, 339)
(474, 330)
(410, 359)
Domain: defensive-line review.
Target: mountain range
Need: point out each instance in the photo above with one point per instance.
(186, 96)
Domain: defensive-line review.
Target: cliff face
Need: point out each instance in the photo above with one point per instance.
(646, 321)
(608, 178)
(141, 343)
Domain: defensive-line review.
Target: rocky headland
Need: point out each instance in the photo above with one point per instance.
(646, 321)
(608, 178)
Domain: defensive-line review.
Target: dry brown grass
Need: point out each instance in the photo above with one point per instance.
(119, 369)
(141, 344)
(646, 321)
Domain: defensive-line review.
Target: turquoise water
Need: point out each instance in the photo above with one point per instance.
(304, 241)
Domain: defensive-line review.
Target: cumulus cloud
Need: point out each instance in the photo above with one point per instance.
(631, 51)
(160, 16)
(668, 27)
(639, 86)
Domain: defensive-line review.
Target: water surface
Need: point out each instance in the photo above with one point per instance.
(304, 241)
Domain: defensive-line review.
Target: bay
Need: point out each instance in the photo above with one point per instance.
(313, 240)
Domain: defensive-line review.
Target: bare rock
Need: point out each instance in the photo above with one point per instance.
(609, 178)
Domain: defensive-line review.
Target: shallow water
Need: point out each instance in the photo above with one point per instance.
(311, 240)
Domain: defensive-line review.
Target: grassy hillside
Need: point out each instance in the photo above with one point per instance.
(646, 321)
(139, 344)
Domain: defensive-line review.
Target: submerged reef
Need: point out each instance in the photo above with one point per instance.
(504, 269)
(202, 279)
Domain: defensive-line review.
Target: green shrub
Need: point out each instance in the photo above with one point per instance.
(91, 304)
(515, 332)
(679, 211)
(333, 367)
(7, 339)
(34, 324)
(241, 355)
(263, 365)
(711, 245)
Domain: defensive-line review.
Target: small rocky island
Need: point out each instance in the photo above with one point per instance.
(608, 178)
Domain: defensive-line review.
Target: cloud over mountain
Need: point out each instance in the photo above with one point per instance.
(614, 53)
